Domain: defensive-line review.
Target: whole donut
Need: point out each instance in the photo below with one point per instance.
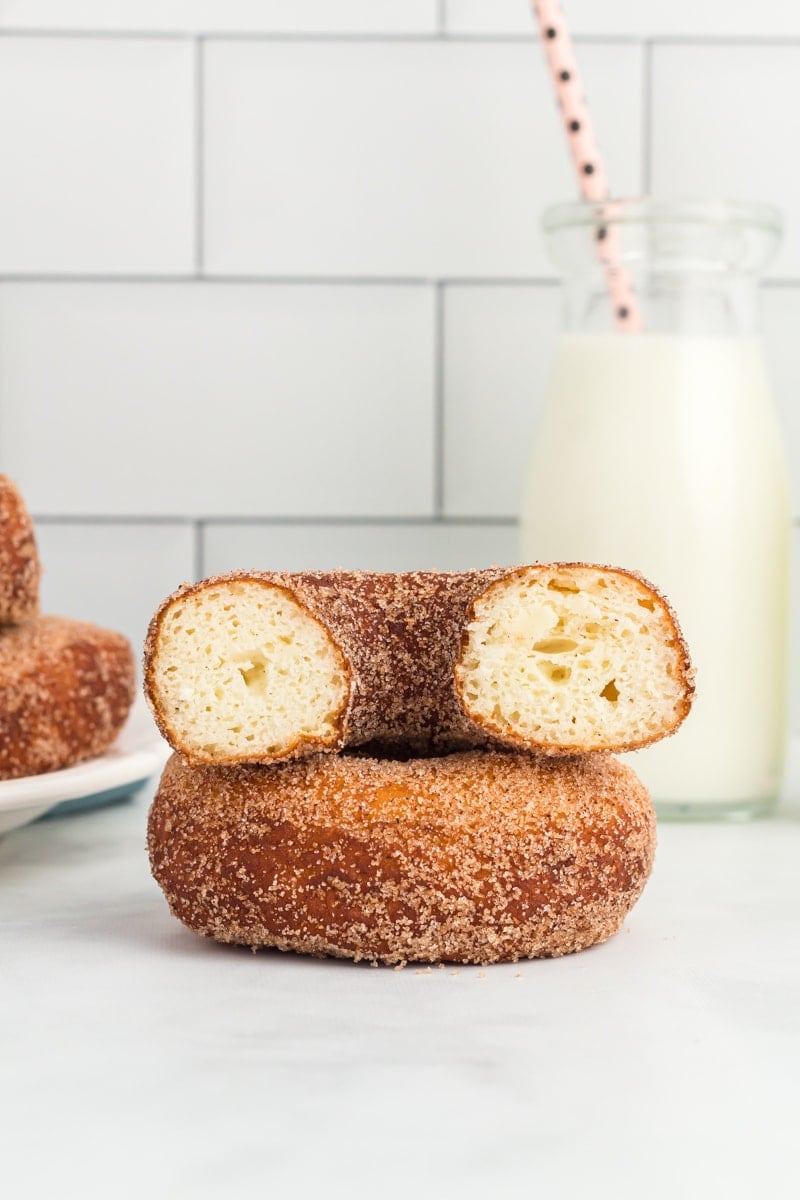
(66, 688)
(478, 857)
(20, 569)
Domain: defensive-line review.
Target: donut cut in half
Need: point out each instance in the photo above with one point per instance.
(561, 659)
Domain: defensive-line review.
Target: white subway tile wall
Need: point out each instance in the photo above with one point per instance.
(724, 121)
(224, 16)
(780, 320)
(633, 18)
(498, 343)
(421, 159)
(130, 398)
(272, 291)
(97, 155)
(112, 573)
(391, 546)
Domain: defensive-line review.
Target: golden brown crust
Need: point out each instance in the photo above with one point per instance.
(400, 636)
(20, 569)
(474, 858)
(66, 688)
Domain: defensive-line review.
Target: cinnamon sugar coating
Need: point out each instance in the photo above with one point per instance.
(66, 688)
(477, 857)
(20, 569)
(399, 635)
(401, 638)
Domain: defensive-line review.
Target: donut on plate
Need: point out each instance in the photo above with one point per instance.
(476, 857)
(560, 658)
(20, 569)
(66, 688)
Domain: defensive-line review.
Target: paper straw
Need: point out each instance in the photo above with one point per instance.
(586, 156)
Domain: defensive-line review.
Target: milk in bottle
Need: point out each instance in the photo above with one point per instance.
(661, 451)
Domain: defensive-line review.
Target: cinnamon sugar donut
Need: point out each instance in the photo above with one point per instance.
(472, 858)
(65, 690)
(20, 569)
(560, 658)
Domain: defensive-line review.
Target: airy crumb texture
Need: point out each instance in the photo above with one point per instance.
(245, 671)
(574, 657)
(470, 858)
(259, 667)
(65, 690)
(20, 569)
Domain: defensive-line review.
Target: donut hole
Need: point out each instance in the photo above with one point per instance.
(571, 658)
(246, 671)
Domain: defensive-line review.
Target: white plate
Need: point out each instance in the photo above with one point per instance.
(137, 754)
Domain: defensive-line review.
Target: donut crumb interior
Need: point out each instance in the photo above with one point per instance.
(244, 670)
(574, 656)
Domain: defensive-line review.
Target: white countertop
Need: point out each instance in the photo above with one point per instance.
(140, 1060)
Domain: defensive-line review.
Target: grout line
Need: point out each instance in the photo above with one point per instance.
(500, 281)
(287, 280)
(438, 401)
(275, 520)
(198, 549)
(775, 40)
(299, 280)
(412, 281)
(438, 35)
(647, 118)
(325, 281)
(726, 39)
(199, 161)
(441, 17)
(425, 522)
(117, 35)
(109, 519)
(15, 277)
(380, 522)
(591, 39)
(199, 524)
(243, 519)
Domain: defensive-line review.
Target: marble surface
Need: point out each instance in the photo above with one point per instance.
(138, 1060)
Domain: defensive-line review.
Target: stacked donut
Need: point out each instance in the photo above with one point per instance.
(65, 686)
(410, 767)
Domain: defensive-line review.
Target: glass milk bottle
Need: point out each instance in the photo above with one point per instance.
(660, 450)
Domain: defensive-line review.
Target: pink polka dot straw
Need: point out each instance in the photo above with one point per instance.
(586, 156)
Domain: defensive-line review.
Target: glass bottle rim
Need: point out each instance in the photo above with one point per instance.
(648, 210)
